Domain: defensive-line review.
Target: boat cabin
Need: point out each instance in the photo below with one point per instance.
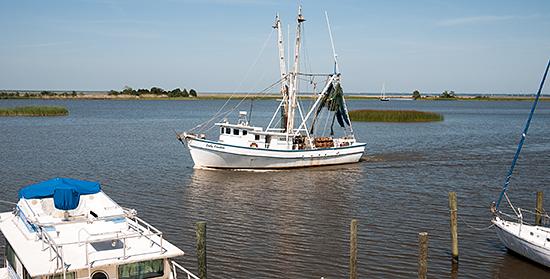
(66, 229)
(241, 134)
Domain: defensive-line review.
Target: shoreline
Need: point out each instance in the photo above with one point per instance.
(237, 96)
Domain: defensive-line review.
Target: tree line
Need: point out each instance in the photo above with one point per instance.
(27, 95)
(444, 95)
(155, 91)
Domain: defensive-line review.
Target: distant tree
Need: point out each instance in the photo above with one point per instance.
(192, 93)
(184, 93)
(113, 93)
(128, 91)
(142, 91)
(447, 94)
(157, 91)
(416, 95)
(175, 93)
(73, 93)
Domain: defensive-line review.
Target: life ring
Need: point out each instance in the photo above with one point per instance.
(254, 145)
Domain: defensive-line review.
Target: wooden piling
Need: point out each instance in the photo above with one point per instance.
(539, 209)
(422, 255)
(453, 208)
(454, 270)
(201, 248)
(353, 249)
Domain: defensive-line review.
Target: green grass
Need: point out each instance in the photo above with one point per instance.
(34, 111)
(367, 115)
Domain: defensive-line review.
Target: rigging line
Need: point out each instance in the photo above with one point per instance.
(314, 74)
(8, 202)
(475, 228)
(241, 83)
(263, 92)
(522, 140)
(510, 203)
(306, 61)
(302, 116)
(326, 122)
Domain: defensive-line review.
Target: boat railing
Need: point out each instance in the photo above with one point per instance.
(176, 267)
(519, 216)
(142, 228)
(56, 251)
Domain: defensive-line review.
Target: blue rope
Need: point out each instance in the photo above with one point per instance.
(523, 135)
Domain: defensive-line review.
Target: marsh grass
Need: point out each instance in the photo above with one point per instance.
(34, 111)
(394, 116)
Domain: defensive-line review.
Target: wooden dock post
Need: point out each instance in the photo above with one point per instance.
(454, 226)
(353, 249)
(201, 248)
(539, 209)
(454, 270)
(422, 255)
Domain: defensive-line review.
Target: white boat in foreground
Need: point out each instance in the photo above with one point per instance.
(282, 144)
(529, 240)
(66, 229)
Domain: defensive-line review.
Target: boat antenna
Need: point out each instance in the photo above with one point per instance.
(522, 139)
(336, 68)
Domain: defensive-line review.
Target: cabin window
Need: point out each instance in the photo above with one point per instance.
(26, 274)
(10, 255)
(236, 132)
(227, 130)
(222, 130)
(245, 132)
(69, 275)
(257, 137)
(141, 270)
(11, 258)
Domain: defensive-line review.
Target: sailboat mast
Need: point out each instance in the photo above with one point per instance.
(294, 75)
(283, 69)
(522, 138)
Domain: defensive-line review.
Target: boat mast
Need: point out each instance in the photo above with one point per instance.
(294, 76)
(522, 138)
(284, 77)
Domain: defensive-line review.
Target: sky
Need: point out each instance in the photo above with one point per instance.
(485, 47)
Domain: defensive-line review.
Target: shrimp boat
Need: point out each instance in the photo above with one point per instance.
(66, 229)
(293, 138)
(527, 239)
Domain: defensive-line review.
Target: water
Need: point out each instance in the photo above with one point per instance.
(295, 223)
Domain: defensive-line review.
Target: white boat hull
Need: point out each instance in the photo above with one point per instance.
(211, 154)
(532, 242)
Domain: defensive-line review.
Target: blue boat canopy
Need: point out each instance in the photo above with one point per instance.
(65, 191)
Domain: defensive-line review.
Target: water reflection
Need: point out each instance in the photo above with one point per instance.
(288, 214)
(512, 265)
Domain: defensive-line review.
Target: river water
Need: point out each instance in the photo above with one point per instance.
(295, 223)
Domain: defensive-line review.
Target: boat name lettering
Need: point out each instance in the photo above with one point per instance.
(214, 146)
